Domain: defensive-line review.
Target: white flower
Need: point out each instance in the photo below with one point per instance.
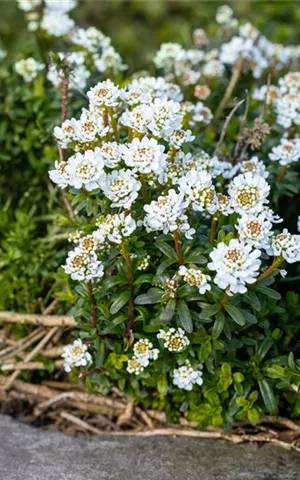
(90, 38)
(213, 68)
(28, 68)
(144, 156)
(175, 340)
(156, 87)
(56, 24)
(236, 265)
(121, 188)
(109, 60)
(255, 230)
(136, 365)
(60, 6)
(197, 188)
(76, 355)
(267, 93)
(201, 114)
(200, 37)
(82, 265)
(290, 83)
(104, 94)
(137, 119)
(28, 5)
(288, 110)
(195, 277)
(186, 377)
(86, 170)
(60, 175)
(224, 204)
(167, 214)
(143, 350)
(79, 73)
(254, 166)
(165, 118)
(110, 153)
(286, 245)
(287, 152)
(180, 137)
(224, 14)
(114, 227)
(89, 127)
(134, 95)
(66, 133)
(166, 55)
(248, 193)
(88, 244)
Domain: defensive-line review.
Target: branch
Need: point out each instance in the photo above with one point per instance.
(226, 124)
(236, 72)
(35, 319)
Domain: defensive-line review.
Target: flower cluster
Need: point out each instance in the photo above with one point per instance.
(174, 340)
(143, 352)
(89, 49)
(76, 355)
(28, 68)
(186, 377)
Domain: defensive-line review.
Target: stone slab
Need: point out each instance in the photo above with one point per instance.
(27, 453)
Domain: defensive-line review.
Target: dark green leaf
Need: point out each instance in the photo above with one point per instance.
(185, 316)
(236, 314)
(119, 302)
(153, 296)
(268, 396)
(218, 325)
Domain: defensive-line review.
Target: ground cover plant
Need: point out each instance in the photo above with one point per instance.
(178, 190)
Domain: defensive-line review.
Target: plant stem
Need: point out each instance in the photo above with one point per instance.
(129, 274)
(177, 239)
(213, 229)
(224, 300)
(105, 118)
(225, 127)
(114, 126)
(236, 72)
(270, 270)
(64, 105)
(282, 173)
(144, 189)
(93, 304)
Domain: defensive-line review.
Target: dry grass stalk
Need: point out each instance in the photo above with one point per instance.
(35, 319)
(80, 423)
(23, 366)
(31, 355)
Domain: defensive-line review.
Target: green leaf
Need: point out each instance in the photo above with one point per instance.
(144, 278)
(185, 316)
(209, 311)
(268, 396)
(218, 325)
(162, 385)
(253, 416)
(167, 250)
(153, 296)
(254, 301)
(269, 292)
(112, 281)
(168, 312)
(236, 314)
(119, 302)
(164, 265)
